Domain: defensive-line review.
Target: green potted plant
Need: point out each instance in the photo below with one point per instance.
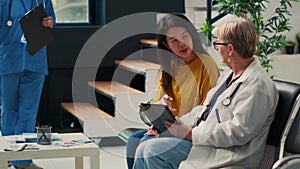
(269, 30)
(289, 47)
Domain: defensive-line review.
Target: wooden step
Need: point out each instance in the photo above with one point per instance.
(112, 88)
(95, 122)
(84, 111)
(149, 42)
(137, 66)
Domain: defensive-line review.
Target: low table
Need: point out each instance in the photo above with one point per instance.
(53, 151)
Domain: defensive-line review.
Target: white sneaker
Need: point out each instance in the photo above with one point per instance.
(27, 166)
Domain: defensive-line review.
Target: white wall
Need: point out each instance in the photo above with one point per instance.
(197, 16)
(285, 67)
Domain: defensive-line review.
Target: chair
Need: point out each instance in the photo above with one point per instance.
(290, 141)
(287, 108)
(287, 104)
(288, 162)
(125, 133)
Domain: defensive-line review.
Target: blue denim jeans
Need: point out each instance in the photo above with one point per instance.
(162, 153)
(132, 143)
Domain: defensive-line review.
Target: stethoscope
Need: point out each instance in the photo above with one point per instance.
(227, 100)
(9, 21)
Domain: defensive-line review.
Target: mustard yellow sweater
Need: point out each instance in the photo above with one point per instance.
(191, 84)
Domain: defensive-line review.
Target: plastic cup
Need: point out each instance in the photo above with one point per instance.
(43, 134)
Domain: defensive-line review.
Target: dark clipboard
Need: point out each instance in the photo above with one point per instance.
(37, 36)
(157, 114)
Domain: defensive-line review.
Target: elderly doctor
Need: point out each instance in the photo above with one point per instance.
(230, 131)
(22, 74)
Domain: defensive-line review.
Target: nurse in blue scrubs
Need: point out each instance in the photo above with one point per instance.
(22, 74)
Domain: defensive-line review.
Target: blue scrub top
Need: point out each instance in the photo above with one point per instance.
(14, 54)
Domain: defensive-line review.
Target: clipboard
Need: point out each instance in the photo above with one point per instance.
(157, 114)
(37, 36)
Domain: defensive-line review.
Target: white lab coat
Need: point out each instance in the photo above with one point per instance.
(238, 140)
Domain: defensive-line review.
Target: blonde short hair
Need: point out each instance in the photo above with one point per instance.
(241, 33)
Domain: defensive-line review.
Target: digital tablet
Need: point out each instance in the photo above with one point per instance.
(157, 114)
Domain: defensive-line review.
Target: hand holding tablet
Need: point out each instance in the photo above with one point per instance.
(157, 114)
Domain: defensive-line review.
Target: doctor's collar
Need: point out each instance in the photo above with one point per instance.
(229, 80)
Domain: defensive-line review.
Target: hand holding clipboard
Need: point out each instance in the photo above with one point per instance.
(37, 29)
(47, 21)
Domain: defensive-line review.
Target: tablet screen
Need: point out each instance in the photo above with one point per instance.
(157, 114)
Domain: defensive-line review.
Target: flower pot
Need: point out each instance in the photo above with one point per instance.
(289, 49)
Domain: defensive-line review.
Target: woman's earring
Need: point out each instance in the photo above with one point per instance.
(229, 60)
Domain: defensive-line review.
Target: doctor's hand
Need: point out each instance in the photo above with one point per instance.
(47, 21)
(166, 100)
(179, 129)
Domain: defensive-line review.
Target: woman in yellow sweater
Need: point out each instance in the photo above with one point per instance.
(188, 73)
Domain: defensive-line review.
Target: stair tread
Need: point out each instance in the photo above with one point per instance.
(111, 88)
(152, 42)
(84, 110)
(138, 66)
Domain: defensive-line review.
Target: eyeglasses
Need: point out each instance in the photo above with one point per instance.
(215, 43)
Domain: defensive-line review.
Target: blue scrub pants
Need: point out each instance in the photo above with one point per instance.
(132, 143)
(162, 153)
(21, 94)
(0, 105)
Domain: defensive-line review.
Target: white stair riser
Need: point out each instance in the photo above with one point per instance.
(152, 77)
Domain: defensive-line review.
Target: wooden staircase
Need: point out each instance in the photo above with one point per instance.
(104, 120)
